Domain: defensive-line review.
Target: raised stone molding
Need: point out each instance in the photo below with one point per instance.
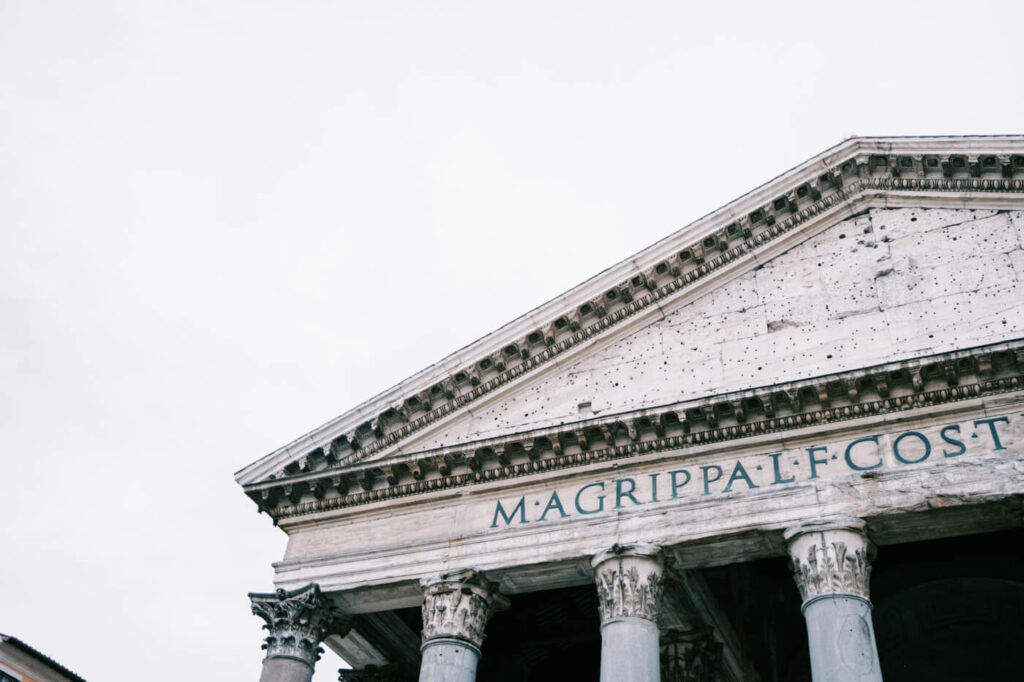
(458, 604)
(690, 655)
(833, 182)
(830, 557)
(630, 582)
(297, 622)
(934, 380)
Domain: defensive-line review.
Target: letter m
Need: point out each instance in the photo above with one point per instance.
(520, 509)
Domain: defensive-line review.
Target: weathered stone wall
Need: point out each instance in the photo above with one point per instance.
(885, 285)
(914, 474)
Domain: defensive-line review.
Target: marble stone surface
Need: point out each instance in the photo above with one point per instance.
(888, 284)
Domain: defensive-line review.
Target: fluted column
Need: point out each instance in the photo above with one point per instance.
(456, 608)
(831, 561)
(296, 622)
(690, 655)
(629, 587)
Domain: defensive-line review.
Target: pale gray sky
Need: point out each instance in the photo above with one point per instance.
(223, 223)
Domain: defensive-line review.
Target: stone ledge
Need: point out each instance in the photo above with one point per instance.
(998, 368)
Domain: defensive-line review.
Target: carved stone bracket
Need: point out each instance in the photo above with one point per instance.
(690, 656)
(458, 604)
(629, 582)
(297, 621)
(939, 379)
(745, 227)
(830, 557)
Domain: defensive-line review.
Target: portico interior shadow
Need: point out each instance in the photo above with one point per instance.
(949, 610)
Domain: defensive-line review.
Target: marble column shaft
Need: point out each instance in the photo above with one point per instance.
(629, 584)
(831, 565)
(456, 608)
(296, 622)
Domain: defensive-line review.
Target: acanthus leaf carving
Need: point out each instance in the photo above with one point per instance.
(630, 582)
(830, 558)
(458, 604)
(297, 622)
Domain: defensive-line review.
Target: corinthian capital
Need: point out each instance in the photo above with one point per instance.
(629, 582)
(297, 622)
(458, 604)
(830, 557)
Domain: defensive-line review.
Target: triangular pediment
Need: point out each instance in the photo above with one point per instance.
(837, 265)
(866, 291)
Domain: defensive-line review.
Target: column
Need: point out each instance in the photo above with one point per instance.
(456, 608)
(297, 622)
(629, 587)
(690, 655)
(831, 564)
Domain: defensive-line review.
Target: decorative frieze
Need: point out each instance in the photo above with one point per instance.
(297, 622)
(893, 387)
(629, 582)
(458, 605)
(830, 557)
(746, 229)
(690, 655)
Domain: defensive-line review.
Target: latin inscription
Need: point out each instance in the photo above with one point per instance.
(752, 472)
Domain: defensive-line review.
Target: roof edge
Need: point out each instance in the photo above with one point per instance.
(828, 161)
(41, 657)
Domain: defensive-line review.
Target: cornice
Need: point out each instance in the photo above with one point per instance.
(881, 389)
(843, 178)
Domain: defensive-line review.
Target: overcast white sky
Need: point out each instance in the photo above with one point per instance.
(224, 223)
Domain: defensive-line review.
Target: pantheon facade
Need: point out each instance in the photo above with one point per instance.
(784, 443)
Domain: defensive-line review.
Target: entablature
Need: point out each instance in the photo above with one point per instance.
(891, 387)
(840, 181)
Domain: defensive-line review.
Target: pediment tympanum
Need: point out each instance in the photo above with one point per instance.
(880, 272)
